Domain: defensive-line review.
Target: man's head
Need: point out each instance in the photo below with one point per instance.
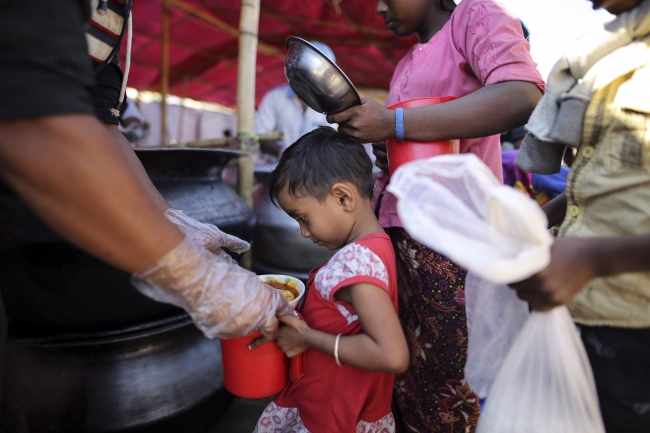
(325, 49)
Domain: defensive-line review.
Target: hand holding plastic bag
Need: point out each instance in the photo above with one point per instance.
(207, 235)
(224, 300)
(533, 368)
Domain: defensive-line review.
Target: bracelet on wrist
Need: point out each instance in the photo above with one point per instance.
(336, 351)
(399, 124)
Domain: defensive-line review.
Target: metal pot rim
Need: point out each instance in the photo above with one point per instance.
(189, 149)
(103, 337)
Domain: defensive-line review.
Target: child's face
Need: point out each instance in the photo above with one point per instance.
(615, 7)
(403, 17)
(326, 223)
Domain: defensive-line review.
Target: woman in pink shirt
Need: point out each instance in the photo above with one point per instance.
(477, 52)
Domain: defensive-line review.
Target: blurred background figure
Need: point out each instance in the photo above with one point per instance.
(132, 124)
(511, 140)
(281, 110)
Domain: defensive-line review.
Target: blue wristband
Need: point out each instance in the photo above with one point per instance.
(399, 124)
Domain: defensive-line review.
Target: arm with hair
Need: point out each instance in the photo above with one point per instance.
(207, 235)
(71, 173)
(136, 167)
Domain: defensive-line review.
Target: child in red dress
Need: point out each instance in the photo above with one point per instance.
(351, 336)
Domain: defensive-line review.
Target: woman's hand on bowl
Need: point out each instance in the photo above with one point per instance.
(369, 122)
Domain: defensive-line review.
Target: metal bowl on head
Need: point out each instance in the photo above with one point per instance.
(317, 80)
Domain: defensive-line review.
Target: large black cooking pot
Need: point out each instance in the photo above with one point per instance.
(51, 287)
(161, 376)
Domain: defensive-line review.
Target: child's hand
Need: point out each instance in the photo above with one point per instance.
(291, 337)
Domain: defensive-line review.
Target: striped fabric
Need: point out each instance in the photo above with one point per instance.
(105, 29)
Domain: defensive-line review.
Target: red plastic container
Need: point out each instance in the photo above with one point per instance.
(258, 373)
(402, 152)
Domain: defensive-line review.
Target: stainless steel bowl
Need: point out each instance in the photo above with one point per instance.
(317, 80)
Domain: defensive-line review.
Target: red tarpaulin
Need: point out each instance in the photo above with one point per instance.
(204, 44)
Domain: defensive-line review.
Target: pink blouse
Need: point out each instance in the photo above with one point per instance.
(481, 44)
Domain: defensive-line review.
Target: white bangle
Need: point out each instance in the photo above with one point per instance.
(336, 351)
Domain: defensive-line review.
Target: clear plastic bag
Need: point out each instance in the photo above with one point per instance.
(545, 384)
(495, 315)
(531, 367)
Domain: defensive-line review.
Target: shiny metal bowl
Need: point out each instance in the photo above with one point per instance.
(317, 80)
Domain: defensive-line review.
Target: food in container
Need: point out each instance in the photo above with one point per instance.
(292, 288)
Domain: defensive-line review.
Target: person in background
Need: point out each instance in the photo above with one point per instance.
(133, 125)
(598, 101)
(511, 140)
(540, 187)
(477, 52)
(351, 336)
(281, 110)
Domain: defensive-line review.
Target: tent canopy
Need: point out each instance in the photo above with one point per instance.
(204, 45)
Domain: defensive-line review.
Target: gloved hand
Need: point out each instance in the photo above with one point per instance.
(224, 300)
(207, 235)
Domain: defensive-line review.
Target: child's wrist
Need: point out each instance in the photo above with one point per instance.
(308, 337)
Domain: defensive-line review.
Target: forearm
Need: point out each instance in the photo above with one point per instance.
(622, 254)
(555, 210)
(490, 110)
(136, 168)
(358, 350)
(68, 169)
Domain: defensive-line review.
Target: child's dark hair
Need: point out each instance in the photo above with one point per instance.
(318, 160)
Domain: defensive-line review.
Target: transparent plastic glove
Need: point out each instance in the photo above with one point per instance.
(207, 235)
(224, 300)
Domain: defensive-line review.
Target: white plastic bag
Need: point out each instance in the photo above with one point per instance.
(495, 315)
(534, 364)
(545, 384)
(455, 205)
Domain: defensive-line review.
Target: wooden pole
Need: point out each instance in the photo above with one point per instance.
(164, 73)
(248, 25)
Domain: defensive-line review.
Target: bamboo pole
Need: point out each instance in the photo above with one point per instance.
(248, 26)
(164, 73)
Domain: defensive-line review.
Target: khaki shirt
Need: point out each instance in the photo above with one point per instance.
(608, 194)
